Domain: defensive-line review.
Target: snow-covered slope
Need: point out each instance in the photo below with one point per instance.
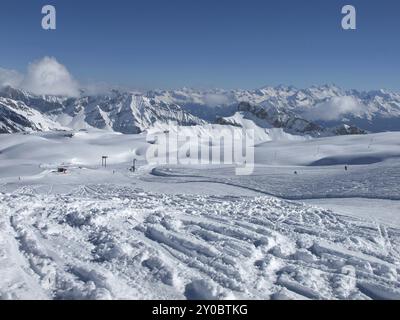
(277, 118)
(285, 120)
(16, 116)
(192, 232)
(94, 246)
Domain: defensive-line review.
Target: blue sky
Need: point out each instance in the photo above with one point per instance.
(209, 43)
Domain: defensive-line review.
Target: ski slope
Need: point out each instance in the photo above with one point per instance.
(195, 232)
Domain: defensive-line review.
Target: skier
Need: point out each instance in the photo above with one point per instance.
(133, 168)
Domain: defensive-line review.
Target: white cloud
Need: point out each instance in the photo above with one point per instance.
(47, 76)
(214, 99)
(44, 77)
(97, 88)
(334, 109)
(10, 78)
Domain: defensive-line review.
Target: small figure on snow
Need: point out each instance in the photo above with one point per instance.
(133, 168)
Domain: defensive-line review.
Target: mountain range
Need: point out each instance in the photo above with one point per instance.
(317, 111)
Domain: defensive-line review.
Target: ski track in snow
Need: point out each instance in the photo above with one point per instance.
(378, 181)
(118, 242)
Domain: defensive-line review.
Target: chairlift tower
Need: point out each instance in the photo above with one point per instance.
(133, 168)
(104, 161)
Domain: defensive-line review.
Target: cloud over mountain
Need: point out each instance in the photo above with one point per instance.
(44, 77)
(10, 78)
(47, 76)
(215, 99)
(334, 109)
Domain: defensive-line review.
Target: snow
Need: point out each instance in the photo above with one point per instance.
(263, 131)
(122, 243)
(362, 207)
(15, 116)
(199, 232)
